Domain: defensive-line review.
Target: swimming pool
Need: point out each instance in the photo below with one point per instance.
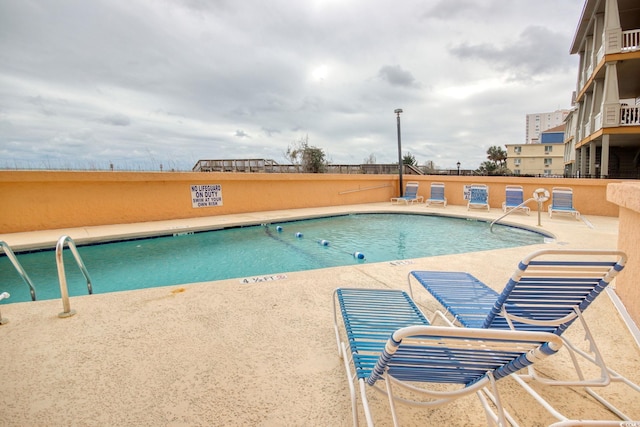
(259, 250)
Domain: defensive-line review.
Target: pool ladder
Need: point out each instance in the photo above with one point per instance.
(3, 295)
(62, 278)
(12, 257)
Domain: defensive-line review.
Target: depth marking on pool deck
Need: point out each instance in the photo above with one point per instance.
(258, 279)
(402, 262)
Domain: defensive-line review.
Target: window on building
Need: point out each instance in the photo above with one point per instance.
(516, 171)
(547, 171)
(548, 149)
(517, 150)
(516, 162)
(547, 162)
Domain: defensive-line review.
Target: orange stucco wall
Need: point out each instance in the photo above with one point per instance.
(627, 196)
(48, 200)
(39, 200)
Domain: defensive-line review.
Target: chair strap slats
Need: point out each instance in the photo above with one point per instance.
(370, 316)
(454, 360)
(542, 290)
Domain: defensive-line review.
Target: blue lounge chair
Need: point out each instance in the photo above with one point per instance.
(562, 202)
(437, 194)
(549, 290)
(410, 194)
(390, 341)
(514, 198)
(478, 196)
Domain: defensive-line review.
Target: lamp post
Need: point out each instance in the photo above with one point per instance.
(458, 165)
(398, 111)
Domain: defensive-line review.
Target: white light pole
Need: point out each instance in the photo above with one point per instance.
(398, 111)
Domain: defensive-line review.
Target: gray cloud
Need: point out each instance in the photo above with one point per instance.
(451, 9)
(270, 132)
(116, 120)
(536, 51)
(396, 76)
(43, 106)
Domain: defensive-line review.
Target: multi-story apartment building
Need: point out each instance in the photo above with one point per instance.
(602, 137)
(543, 158)
(539, 122)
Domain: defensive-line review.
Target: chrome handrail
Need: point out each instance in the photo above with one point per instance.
(12, 257)
(513, 209)
(64, 293)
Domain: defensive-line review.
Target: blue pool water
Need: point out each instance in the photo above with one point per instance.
(259, 250)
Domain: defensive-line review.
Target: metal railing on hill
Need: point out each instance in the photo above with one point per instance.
(271, 166)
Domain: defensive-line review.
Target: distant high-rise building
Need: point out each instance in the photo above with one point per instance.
(539, 122)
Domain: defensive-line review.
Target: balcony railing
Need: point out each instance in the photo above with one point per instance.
(630, 40)
(600, 54)
(597, 121)
(629, 116)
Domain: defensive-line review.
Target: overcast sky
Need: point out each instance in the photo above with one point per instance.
(139, 83)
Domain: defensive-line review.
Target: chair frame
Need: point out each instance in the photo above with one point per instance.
(511, 205)
(562, 202)
(381, 323)
(413, 197)
(477, 305)
(437, 200)
(475, 203)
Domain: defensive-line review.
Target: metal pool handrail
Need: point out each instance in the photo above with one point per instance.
(12, 257)
(61, 273)
(511, 210)
(540, 195)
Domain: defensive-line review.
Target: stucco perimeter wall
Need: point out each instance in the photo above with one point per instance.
(40, 200)
(34, 200)
(627, 196)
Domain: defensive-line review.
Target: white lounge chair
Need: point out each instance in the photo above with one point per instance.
(514, 199)
(390, 341)
(478, 197)
(549, 290)
(562, 202)
(410, 194)
(437, 194)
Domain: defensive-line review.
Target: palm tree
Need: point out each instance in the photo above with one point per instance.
(497, 163)
(497, 155)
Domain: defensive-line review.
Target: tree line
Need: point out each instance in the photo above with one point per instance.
(312, 159)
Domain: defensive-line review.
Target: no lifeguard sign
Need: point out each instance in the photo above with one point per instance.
(207, 195)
